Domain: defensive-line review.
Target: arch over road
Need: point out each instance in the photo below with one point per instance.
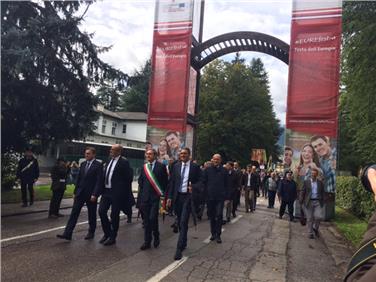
(204, 53)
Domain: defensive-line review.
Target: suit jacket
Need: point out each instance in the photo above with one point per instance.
(147, 193)
(175, 180)
(215, 181)
(90, 183)
(233, 184)
(306, 192)
(29, 174)
(58, 173)
(121, 184)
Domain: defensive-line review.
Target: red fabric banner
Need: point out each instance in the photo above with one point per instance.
(312, 103)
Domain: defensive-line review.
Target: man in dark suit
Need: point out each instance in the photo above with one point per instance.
(233, 184)
(312, 198)
(215, 181)
(116, 193)
(87, 190)
(28, 173)
(184, 188)
(152, 182)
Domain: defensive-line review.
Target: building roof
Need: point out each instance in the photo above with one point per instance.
(123, 115)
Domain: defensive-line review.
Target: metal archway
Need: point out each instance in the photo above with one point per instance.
(205, 52)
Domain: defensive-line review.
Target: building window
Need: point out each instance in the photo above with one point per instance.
(124, 128)
(139, 145)
(117, 141)
(104, 122)
(129, 144)
(114, 124)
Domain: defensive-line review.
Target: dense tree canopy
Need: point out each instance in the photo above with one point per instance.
(358, 98)
(135, 98)
(48, 66)
(236, 112)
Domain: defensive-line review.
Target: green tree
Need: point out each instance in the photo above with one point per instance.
(358, 103)
(135, 98)
(48, 66)
(236, 112)
(109, 96)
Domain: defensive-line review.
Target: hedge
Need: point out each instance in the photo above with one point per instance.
(353, 197)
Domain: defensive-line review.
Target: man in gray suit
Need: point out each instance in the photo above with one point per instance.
(312, 198)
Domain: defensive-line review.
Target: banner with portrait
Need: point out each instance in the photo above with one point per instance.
(313, 89)
(169, 87)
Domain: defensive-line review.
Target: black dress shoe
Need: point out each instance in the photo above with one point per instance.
(63, 236)
(89, 236)
(104, 239)
(109, 242)
(24, 205)
(31, 203)
(316, 233)
(60, 215)
(129, 220)
(156, 242)
(219, 241)
(213, 237)
(175, 229)
(145, 246)
(178, 255)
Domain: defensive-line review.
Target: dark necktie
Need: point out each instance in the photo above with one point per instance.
(108, 172)
(87, 167)
(182, 177)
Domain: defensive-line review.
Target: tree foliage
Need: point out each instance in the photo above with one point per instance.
(358, 102)
(236, 112)
(48, 67)
(135, 98)
(109, 96)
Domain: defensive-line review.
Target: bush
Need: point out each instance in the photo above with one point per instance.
(353, 197)
(9, 163)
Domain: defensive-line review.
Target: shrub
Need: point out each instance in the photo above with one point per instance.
(353, 197)
(9, 163)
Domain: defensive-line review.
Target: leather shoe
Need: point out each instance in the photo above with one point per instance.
(89, 236)
(63, 236)
(145, 246)
(175, 229)
(156, 242)
(213, 237)
(178, 255)
(104, 239)
(311, 236)
(109, 242)
(24, 205)
(219, 241)
(316, 233)
(60, 215)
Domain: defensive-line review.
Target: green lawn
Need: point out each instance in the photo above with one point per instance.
(42, 192)
(350, 226)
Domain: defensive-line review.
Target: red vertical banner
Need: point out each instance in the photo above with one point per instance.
(168, 97)
(313, 89)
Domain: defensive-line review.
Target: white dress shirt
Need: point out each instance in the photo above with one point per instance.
(114, 162)
(184, 185)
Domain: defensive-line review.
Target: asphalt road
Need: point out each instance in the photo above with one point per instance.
(256, 247)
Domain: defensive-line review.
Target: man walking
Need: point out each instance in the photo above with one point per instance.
(87, 190)
(215, 181)
(271, 184)
(312, 198)
(250, 187)
(28, 173)
(153, 183)
(233, 184)
(287, 193)
(116, 193)
(184, 188)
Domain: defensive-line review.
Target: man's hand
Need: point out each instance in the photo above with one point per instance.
(93, 199)
(190, 188)
(169, 203)
(227, 202)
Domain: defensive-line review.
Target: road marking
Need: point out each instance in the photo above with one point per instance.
(207, 240)
(43, 231)
(167, 270)
(236, 219)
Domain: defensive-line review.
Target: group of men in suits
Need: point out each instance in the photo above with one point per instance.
(113, 183)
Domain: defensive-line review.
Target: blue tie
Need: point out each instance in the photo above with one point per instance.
(182, 177)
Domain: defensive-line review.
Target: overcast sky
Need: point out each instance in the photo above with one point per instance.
(128, 27)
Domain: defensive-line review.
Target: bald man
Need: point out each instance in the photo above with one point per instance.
(116, 193)
(215, 181)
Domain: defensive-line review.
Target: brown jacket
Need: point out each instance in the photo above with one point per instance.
(367, 271)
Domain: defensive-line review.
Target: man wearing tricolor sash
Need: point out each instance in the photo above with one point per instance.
(152, 182)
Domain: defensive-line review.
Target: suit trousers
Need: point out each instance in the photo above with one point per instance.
(314, 213)
(57, 196)
(271, 197)
(78, 203)
(27, 186)
(215, 213)
(150, 212)
(250, 202)
(183, 211)
(229, 209)
(110, 228)
(290, 205)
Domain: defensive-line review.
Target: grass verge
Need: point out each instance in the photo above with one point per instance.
(41, 193)
(350, 226)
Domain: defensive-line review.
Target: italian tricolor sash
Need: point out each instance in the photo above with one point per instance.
(153, 180)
